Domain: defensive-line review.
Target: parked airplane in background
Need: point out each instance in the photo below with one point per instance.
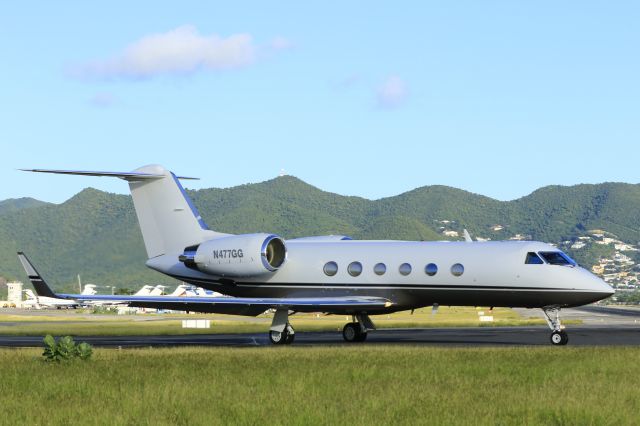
(144, 291)
(157, 290)
(193, 291)
(334, 274)
(183, 290)
(39, 302)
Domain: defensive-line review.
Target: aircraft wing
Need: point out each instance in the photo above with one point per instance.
(223, 305)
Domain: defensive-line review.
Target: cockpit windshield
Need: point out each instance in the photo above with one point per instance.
(557, 258)
(533, 259)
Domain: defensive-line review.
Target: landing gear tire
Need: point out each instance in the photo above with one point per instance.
(352, 333)
(279, 338)
(559, 338)
(285, 337)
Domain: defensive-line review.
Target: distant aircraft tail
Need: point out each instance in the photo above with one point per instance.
(168, 219)
(36, 280)
(181, 290)
(144, 291)
(157, 290)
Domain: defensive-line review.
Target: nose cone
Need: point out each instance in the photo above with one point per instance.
(595, 285)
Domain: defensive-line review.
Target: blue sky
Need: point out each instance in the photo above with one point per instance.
(498, 98)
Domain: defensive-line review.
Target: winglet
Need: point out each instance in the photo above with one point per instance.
(42, 289)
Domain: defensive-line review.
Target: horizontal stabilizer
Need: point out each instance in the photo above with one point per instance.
(128, 176)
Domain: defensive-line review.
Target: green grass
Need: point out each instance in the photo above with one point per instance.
(364, 384)
(81, 324)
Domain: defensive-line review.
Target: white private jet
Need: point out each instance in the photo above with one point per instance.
(39, 302)
(334, 274)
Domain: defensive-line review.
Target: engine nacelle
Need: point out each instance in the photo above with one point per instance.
(237, 255)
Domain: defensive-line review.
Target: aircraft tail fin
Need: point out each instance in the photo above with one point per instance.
(42, 289)
(168, 219)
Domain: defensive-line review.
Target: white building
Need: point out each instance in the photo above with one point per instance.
(14, 296)
(624, 247)
(578, 245)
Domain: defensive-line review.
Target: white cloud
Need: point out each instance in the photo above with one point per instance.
(180, 51)
(392, 93)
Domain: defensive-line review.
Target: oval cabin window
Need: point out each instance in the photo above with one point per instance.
(431, 269)
(380, 269)
(330, 268)
(354, 269)
(405, 269)
(457, 269)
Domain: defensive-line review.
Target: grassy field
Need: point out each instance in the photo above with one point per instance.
(82, 324)
(325, 385)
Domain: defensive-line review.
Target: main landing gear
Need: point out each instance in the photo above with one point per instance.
(281, 332)
(558, 335)
(356, 331)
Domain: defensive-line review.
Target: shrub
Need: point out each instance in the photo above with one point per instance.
(65, 349)
(84, 351)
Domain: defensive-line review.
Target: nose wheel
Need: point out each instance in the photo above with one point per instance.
(559, 337)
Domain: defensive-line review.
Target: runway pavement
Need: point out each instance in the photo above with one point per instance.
(601, 326)
(477, 336)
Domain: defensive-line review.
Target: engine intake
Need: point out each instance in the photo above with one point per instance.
(237, 256)
(273, 253)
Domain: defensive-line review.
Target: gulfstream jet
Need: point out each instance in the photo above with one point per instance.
(333, 274)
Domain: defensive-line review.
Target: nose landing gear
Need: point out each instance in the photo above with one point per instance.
(559, 337)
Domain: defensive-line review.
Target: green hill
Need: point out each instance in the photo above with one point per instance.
(16, 204)
(96, 234)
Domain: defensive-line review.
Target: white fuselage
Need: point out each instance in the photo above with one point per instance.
(47, 302)
(495, 274)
